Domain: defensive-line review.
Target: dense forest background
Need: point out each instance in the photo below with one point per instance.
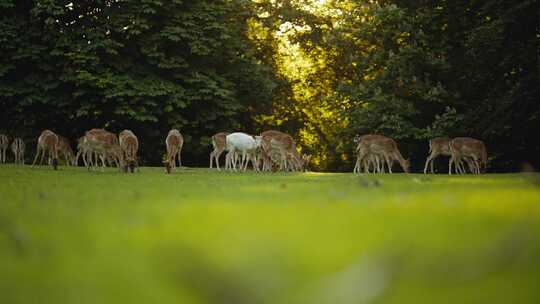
(322, 71)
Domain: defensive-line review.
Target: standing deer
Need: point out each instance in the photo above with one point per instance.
(219, 142)
(278, 143)
(64, 148)
(437, 146)
(104, 144)
(4, 144)
(472, 150)
(381, 145)
(82, 151)
(441, 146)
(367, 158)
(174, 142)
(130, 145)
(245, 144)
(17, 147)
(47, 144)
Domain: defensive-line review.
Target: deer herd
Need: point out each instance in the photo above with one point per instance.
(270, 151)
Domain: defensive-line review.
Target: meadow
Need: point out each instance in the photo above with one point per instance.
(203, 236)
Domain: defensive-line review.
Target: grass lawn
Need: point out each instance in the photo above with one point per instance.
(202, 236)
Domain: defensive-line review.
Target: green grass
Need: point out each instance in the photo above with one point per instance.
(201, 236)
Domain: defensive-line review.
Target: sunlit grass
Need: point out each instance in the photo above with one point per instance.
(202, 236)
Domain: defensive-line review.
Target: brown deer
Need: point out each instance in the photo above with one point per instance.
(472, 150)
(273, 141)
(85, 152)
(82, 151)
(18, 147)
(4, 144)
(437, 146)
(106, 145)
(381, 145)
(130, 145)
(174, 142)
(219, 142)
(366, 158)
(47, 144)
(64, 148)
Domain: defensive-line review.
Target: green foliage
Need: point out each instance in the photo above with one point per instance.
(413, 70)
(145, 65)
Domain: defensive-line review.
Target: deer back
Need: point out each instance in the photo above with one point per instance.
(219, 139)
(48, 139)
(440, 145)
(174, 138)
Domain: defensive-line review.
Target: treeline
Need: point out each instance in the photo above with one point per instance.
(142, 65)
(320, 70)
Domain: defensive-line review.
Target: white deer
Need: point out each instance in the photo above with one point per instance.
(245, 144)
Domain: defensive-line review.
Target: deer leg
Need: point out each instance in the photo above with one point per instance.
(217, 155)
(35, 158)
(229, 159)
(389, 164)
(234, 160)
(428, 160)
(458, 164)
(255, 163)
(473, 165)
(44, 152)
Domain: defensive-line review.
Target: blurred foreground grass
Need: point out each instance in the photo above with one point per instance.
(201, 236)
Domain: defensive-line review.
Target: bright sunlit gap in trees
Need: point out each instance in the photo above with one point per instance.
(307, 73)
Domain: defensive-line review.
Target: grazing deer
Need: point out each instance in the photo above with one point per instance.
(85, 152)
(381, 145)
(4, 144)
(219, 142)
(106, 145)
(245, 144)
(369, 162)
(366, 158)
(47, 144)
(437, 146)
(275, 141)
(174, 142)
(64, 148)
(130, 145)
(18, 147)
(82, 151)
(472, 150)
